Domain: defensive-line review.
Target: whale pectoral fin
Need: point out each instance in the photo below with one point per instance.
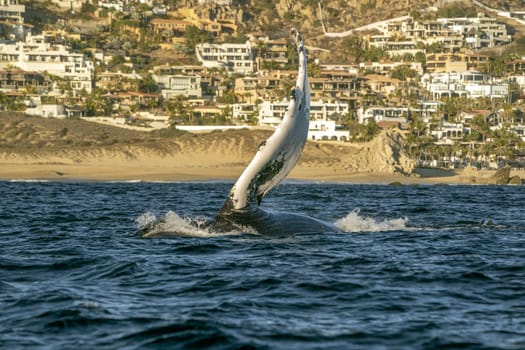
(276, 156)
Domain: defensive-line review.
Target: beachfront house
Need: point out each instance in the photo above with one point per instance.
(47, 110)
(448, 133)
(326, 130)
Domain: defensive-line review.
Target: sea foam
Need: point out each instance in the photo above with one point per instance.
(353, 222)
(172, 224)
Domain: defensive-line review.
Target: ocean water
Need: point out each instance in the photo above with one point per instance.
(418, 267)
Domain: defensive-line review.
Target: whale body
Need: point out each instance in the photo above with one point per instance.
(274, 160)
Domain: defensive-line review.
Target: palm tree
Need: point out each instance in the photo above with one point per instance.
(177, 110)
(480, 130)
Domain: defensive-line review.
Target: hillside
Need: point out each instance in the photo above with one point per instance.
(276, 18)
(35, 140)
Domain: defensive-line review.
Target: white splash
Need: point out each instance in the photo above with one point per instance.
(29, 180)
(172, 224)
(353, 222)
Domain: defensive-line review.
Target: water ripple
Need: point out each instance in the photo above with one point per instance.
(419, 267)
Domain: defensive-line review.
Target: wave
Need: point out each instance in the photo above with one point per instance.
(353, 222)
(28, 180)
(172, 224)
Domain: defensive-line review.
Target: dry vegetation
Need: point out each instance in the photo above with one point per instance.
(77, 141)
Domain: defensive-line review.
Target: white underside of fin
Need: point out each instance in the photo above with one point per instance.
(277, 155)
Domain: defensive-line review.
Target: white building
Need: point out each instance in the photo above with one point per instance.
(383, 114)
(386, 67)
(471, 84)
(36, 55)
(448, 133)
(47, 110)
(326, 130)
(478, 31)
(451, 34)
(236, 58)
(217, 2)
(321, 127)
(179, 85)
(424, 112)
(112, 4)
(321, 110)
(244, 111)
(397, 48)
(71, 5)
(271, 113)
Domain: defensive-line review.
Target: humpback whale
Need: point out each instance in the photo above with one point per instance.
(274, 160)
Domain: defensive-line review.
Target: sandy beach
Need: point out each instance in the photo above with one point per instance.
(78, 150)
(201, 168)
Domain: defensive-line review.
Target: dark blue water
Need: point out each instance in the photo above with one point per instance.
(420, 267)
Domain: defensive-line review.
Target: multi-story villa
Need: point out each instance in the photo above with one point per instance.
(382, 84)
(398, 115)
(173, 85)
(391, 115)
(321, 126)
(170, 26)
(449, 62)
(335, 83)
(345, 67)
(69, 4)
(236, 58)
(517, 15)
(173, 28)
(470, 84)
(36, 55)
(118, 81)
(448, 133)
(124, 100)
(271, 113)
(244, 111)
(273, 52)
(112, 4)
(478, 31)
(326, 130)
(12, 14)
(18, 79)
(394, 47)
(11, 11)
(451, 34)
(217, 2)
(387, 67)
(246, 89)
